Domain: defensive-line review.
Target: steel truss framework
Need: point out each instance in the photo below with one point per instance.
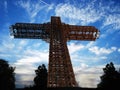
(60, 71)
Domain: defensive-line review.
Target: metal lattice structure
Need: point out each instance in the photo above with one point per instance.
(60, 71)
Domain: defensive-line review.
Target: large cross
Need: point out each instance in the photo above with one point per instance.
(60, 71)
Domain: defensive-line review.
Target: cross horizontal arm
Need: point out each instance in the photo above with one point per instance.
(28, 30)
(82, 33)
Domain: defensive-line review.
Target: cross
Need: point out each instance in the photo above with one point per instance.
(60, 71)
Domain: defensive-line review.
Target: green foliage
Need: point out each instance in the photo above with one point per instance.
(41, 77)
(110, 78)
(7, 79)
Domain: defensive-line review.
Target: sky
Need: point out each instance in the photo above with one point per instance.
(88, 57)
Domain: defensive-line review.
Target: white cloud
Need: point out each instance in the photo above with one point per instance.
(90, 44)
(119, 50)
(112, 22)
(114, 48)
(87, 80)
(113, 19)
(44, 2)
(74, 47)
(34, 8)
(37, 45)
(50, 7)
(88, 76)
(82, 66)
(28, 61)
(24, 68)
(31, 8)
(23, 42)
(101, 51)
(6, 44)
(41, 54)
(85, 15)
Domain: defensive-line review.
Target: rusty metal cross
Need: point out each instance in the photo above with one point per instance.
(60, 71)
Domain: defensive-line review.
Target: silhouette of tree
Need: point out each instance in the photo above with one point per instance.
(41, 77)
(110, 78)
(7, 79)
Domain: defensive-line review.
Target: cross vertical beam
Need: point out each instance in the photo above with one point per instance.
(60, 73)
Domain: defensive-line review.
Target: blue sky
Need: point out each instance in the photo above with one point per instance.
(88, 57)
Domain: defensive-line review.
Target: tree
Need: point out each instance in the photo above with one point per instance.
(110, 78)
(7, 79)
(41, 77)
